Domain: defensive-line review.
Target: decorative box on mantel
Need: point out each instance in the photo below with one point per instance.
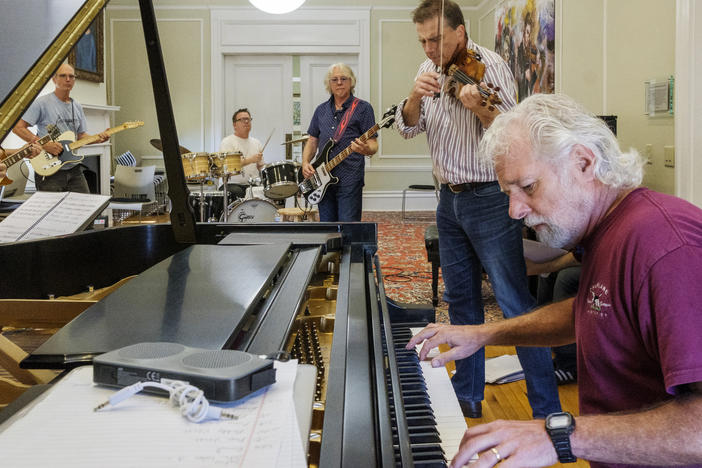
(98, 157)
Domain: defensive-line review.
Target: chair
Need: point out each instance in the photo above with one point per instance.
(133, 191)
(434, 187)
(160, 181)
(431, 242)
(126, 159)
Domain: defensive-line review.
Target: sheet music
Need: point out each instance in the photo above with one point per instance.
(503, 369)
(24, 217)
(47, 214)
(145, 430)
(539, 253)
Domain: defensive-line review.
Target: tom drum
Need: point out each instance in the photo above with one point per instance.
(196, 166)
(226, 163)
(280, 179)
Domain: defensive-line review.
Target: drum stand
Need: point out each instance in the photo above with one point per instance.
(202, 199)
(225, 194)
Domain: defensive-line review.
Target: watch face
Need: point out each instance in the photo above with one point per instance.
(559, 421)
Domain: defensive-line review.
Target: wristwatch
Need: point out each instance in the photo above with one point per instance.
(559, 427)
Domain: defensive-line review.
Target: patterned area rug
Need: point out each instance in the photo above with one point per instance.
(403, 261)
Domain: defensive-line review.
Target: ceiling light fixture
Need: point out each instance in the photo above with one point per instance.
(277, 7)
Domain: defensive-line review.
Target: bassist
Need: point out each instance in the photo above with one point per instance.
(60, 109)
(342, 118)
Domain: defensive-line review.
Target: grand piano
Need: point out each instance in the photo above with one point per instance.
(310, 290)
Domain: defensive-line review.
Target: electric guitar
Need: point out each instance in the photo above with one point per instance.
(46, 164)
(314, 187)
(24, 152)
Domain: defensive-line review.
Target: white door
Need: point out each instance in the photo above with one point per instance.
(313, 68)
(262, 84)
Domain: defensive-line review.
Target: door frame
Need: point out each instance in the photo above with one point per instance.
(314, 31)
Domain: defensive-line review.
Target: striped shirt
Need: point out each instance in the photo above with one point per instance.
(453, 132)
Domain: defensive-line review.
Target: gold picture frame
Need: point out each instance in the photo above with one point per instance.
(87, 57)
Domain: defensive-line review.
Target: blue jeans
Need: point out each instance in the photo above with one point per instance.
(476, 232)
(342, 202)
(69, 180)
(556, 287)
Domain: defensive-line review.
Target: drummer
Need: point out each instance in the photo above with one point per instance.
(251, 152)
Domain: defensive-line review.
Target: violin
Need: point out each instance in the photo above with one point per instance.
(467, 68)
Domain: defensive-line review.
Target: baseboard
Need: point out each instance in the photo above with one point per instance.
(391, 200)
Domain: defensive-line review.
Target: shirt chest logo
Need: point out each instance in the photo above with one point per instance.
(599, 301)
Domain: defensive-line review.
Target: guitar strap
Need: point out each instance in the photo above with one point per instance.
(345, 120)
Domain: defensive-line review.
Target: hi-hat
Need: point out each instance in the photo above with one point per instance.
(302, 138)
(156, 143)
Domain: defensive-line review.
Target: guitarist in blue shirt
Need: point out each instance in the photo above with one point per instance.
(60, 109)
(339, 122)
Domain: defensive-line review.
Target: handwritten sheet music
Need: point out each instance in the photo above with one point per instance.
(47, 214)
(145, 430)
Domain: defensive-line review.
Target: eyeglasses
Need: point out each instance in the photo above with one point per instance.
(244, 119)
(64, 76)
(339, 79)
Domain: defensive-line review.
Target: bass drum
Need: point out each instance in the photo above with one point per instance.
(254, 210)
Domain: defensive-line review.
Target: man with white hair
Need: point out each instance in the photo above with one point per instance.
(635, 319)
(342, 118)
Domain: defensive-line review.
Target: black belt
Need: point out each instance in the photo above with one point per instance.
(458, 188)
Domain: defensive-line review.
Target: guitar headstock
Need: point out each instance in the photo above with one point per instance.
(388, 117)
(133, 124)
(53, 131)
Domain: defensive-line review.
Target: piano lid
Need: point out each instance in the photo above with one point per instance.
(36, 36)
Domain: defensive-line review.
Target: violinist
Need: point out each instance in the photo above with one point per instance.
(475, 230)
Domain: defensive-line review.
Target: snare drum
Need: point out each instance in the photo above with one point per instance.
(212, 206)
(226, 163)
(280, 179)
(196, 166)
(255, 210)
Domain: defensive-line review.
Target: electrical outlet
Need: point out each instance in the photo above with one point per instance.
(648, 153)
(669, 156)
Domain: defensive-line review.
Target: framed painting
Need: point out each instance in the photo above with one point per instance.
(87, 55)
(525, 36)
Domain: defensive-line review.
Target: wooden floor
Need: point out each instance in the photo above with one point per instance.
(509, 401)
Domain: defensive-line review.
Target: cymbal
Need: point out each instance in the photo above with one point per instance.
(156, 143)
(302, 138)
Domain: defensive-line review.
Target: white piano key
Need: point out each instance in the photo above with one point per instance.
(449, 419)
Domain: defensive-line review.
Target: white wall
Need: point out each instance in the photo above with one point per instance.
(598, 63)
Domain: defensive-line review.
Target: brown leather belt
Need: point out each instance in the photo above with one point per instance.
(458, 188)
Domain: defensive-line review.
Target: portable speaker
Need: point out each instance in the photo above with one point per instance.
(223, 375)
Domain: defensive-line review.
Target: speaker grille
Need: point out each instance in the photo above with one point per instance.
(216, 359)
(151, 350)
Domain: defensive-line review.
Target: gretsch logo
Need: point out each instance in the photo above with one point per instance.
(243, 216)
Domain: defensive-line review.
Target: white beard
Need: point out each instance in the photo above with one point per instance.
(564, 228)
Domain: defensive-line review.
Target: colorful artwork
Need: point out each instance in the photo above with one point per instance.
(525, 37)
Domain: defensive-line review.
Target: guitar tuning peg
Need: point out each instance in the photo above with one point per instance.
(491, 108)
(483, 103)
(497, 89)
(490, 85)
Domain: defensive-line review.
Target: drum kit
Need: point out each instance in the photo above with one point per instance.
(279, 180)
